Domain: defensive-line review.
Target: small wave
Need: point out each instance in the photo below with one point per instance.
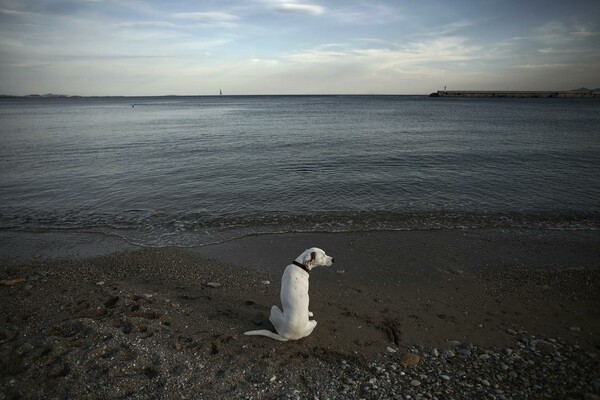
(194, 229)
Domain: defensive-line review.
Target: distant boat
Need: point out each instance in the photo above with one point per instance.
(220, 93)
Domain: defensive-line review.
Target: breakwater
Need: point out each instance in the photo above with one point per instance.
(516, 94)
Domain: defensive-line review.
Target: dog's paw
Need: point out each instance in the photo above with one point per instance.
(310, 314)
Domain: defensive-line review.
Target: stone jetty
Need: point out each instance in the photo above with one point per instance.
(516, 94)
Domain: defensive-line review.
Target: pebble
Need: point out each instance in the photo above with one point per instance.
(448, 354)
(545, 347)
(575, 329)
(12, 282)
(213, 284)
(415, 382)
(511, 331)
(127, 328)
(409, 360)
(464, 352)
(445, 377)
(390, 350)
(94, 313)
(484, 356)
(111, 301)
(265, 282)
(59, 369)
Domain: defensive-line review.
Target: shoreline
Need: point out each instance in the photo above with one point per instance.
(507, 313)
(18, 246)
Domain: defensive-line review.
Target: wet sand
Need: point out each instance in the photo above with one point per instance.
(489, 313)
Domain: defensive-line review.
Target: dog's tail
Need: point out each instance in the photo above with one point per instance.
(264, 332)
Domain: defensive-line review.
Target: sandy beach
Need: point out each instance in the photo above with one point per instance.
(446, 314)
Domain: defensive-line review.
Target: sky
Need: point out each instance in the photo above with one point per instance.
(184, 47)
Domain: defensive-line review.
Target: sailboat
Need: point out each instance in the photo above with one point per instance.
(220, 93)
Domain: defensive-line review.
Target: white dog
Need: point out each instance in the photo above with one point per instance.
(294, 323)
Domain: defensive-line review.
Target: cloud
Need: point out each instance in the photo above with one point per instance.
(449, 29)
(101, 57)
(209, 16)
(145, 25)
(366, 13)
(560, 33)
(537, 67)
(437, 50)
(371, 40)
(547, 50)
(583, 34)
(16, 13)
(390, 68)
(296, 8)
(209, 19)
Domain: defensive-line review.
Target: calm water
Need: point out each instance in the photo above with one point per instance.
(188, 171)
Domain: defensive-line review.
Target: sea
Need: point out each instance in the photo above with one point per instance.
(191, 171)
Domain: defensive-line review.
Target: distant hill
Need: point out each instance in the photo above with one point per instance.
(47, 95)
(584, 89)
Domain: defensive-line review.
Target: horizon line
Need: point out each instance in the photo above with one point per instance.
(52, 95)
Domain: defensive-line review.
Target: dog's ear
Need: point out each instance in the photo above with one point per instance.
(313, 256)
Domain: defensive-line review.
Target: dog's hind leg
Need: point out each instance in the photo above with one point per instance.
(309, 328)
(277, 318)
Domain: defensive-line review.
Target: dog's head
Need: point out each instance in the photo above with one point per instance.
(315, 257)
